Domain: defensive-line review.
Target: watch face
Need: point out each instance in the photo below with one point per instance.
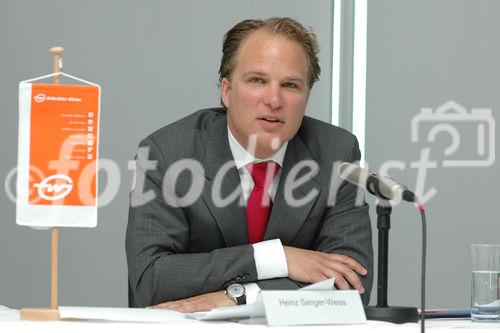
(236, 290)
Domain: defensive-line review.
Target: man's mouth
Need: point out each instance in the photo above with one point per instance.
(271, 119)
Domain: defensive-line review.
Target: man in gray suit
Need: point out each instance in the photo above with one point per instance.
(207, 229)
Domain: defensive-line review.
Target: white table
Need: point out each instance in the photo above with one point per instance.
(10, 323)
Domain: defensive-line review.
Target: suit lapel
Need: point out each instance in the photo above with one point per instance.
(286, 220)
(230, 218)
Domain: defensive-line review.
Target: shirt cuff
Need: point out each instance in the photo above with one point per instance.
(251, 290)
(270, 259)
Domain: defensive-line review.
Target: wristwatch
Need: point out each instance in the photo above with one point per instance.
(237, 293)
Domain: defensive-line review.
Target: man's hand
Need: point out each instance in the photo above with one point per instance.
(204, 302)
(314, 266)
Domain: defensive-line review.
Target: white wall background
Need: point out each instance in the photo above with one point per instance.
(422, 54)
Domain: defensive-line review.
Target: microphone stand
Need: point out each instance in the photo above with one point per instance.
(383, 312)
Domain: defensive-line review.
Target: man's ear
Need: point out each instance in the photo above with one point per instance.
(224, 92)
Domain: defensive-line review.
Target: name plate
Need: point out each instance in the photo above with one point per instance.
(312, 307)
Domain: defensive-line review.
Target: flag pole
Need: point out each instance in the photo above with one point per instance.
(41, 314)
(57, 56)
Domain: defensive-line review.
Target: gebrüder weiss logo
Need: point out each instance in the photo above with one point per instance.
(40, 98)
(54, 187)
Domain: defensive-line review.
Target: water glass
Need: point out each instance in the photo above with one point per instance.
(485, 296)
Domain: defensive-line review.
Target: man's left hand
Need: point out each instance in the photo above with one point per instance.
(204, 302)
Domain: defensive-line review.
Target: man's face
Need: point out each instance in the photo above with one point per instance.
(267, 92)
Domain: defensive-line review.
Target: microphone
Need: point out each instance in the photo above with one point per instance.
(382, 187)
(386, 189)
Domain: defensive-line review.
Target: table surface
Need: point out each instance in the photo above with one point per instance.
(10, 322)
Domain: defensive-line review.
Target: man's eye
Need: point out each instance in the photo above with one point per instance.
(290, 85)
(256, 80)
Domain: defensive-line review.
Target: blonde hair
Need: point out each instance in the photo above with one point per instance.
(282, 26)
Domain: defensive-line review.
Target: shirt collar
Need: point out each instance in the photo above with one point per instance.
(242, 157)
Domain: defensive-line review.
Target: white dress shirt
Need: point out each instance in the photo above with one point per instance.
(269, 256)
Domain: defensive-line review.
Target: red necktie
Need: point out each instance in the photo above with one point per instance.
(259, 203)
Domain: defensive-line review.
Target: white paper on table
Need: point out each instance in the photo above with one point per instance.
(247, 310)
(9, 314)
(121, 314)
(225, 313)
(322, 285)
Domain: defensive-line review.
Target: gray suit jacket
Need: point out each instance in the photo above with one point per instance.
(177, 252)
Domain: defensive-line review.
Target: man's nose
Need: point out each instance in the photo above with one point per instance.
(274, 96)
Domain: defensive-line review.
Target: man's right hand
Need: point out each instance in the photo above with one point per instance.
(314, 266)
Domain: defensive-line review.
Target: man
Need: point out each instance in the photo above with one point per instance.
(231, 200)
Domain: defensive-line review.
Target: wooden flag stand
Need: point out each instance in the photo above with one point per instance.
(43, 314)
